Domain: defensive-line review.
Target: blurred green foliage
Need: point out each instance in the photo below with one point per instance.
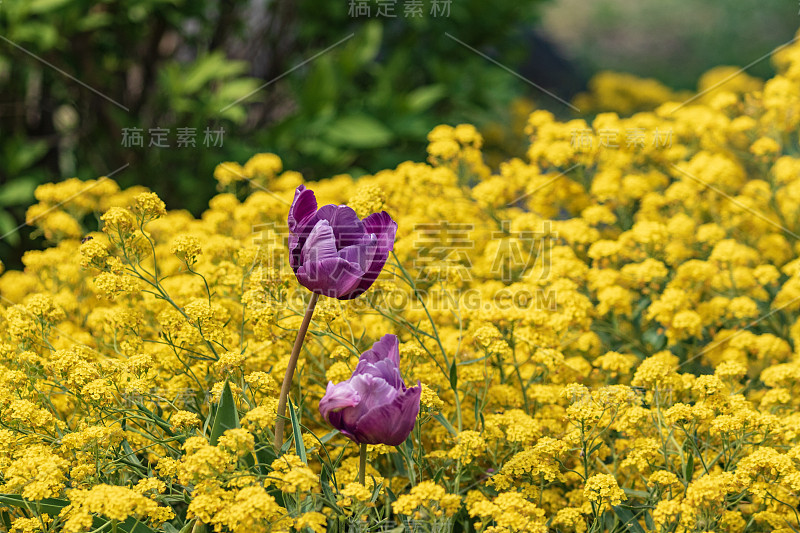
(328, 91)
(674, 41)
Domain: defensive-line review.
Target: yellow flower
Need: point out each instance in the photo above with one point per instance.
(317, 522)
(603, 488)
(184, 420)
(149, 206)
(228, 173)
(187, 248)
(357, 492)
(119, 222)
(37, 524)
(291, 475)
(112, 502)
(262, 167)
(429, 496)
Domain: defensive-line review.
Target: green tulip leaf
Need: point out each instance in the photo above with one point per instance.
(299, 445)
(226, 416)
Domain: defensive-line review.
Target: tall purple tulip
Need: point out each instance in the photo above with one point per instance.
(373, 406)
(333, 252)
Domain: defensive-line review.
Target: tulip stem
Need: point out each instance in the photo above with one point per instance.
(280, 418)
(362, 466)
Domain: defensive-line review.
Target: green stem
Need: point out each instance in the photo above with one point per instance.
(362, 466)
(280, 419)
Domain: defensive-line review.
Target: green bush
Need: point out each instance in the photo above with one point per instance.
(82, 76)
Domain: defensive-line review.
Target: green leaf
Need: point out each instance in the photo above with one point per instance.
(367, 44)
(131, 525)
(596, 447)
(204, 70)
(51, 506)
(454, 376)
(636, 493)
(21, 156)
(654, 338)
(226, 416)
(187, 527)
(44, 35)
(198, 527)
(412, 127)
(94, 21)
(376, 489)
(328, 436)
(648, 521)
(232, 90)
(163, 424)
(18, 192)
(688, 468)
(214, 66)
(421, 99)
(8, 228)
(285, 447)
(359, 131)
(264, 458)
(130, 455)
(629, 521)
(324, 481)
(43, 6)
(299, 445)
(608, 518)
(320, 88)
(407, 447)
(446, 423)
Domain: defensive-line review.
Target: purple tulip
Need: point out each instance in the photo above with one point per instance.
(373, 406)
(333, 252)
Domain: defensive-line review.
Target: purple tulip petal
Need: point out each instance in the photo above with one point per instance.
(333, 278)
(383, 360)
(323, 270)
(320, 244)
(384, 228)
(386, 348)
(390, 423)
(302, 219)
(327, 257)
(346, 225)
(294, 251)
(361, 253)
(383, 370)
(304, 205)
(373, 392)
(338, 397)
(334, 418)
(386, 411)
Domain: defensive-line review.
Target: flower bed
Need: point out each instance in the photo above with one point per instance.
(605, 336)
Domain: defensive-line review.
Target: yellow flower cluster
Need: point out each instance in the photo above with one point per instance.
(605, 330)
